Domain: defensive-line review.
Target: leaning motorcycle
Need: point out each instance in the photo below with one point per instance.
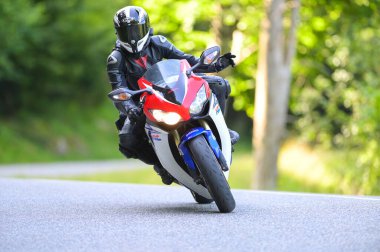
(186, 127)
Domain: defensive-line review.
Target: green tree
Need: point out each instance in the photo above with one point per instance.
(53, 51)
(272, 89)
(336, 97)
(21, 31)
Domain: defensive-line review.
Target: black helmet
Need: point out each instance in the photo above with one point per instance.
(132, 28)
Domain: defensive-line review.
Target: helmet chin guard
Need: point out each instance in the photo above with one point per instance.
(135, 47)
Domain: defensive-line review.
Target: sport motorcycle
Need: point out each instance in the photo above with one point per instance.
(186, 127)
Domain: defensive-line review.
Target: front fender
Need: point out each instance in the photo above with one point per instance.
(185, 152)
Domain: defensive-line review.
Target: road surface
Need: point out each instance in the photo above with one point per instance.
(67, 169)
(48, 215)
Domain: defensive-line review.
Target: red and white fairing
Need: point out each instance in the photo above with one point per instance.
(174, 91)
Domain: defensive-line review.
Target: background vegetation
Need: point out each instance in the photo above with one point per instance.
(53, 83)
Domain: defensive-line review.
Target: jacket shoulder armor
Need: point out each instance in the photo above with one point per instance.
(161, 41)
(115, 57)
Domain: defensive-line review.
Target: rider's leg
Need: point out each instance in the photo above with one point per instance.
(221, 88)
(133, 143)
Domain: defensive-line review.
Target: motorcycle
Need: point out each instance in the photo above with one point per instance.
(186, 127)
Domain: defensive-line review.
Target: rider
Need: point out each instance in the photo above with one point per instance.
(136, 49)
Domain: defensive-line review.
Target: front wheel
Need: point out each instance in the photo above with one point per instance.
(212, 174)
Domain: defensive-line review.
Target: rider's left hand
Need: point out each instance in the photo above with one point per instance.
(225, 61)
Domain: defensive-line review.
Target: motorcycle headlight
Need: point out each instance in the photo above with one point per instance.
(197, 105)
(170, 118)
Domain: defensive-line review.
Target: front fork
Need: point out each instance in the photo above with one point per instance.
(210, 138)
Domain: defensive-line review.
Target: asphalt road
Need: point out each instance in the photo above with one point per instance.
(68, 169)
(42, 215)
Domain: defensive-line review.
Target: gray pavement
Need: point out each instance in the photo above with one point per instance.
(67, 169)
(48, 215)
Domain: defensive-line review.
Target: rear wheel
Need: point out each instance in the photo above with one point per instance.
(212, 174)
(200, 199)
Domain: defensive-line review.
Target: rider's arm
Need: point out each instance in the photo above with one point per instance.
(116, 69)
(116, 76)
(169, 51)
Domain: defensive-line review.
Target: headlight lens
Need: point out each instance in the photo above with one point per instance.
(170, 118)
(200, 99)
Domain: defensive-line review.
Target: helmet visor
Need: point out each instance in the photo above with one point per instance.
(131, 34)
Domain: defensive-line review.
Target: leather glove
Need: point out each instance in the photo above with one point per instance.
(133, 111)
(225, 61)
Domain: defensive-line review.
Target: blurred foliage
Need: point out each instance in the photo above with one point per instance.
(336, 93)
(53, 57)
(51, 51)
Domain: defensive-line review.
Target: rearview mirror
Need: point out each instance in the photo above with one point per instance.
(124, 94)
(207, 57)
(210, 55)
(120, 94)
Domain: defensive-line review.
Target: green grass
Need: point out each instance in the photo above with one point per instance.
(68, 134)
(240, 177)
(143, 176)
(301, 170)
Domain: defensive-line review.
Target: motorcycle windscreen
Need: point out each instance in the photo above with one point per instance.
(166, 77)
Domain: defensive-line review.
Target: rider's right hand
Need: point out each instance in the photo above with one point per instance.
(225, 61)
(133, 111)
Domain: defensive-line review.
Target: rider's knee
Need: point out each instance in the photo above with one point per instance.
(128, 141)
(119, 123)
(128, 153)
(224, 85)
(137, 147)
(227, 88)
(220, 86)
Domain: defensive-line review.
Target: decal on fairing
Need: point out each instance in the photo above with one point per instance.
(216, 106)
(151, 130)
(155, 137)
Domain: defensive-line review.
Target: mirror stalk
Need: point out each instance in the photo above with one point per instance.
(188, 72)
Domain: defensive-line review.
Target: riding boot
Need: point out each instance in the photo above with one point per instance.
(166, 178)
(234, 136)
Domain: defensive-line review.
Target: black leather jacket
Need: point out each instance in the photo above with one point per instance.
(124, 68)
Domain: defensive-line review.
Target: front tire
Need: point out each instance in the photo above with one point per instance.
(212, 174)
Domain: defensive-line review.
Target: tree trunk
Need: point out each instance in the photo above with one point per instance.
(272, 90)
(223, 36)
